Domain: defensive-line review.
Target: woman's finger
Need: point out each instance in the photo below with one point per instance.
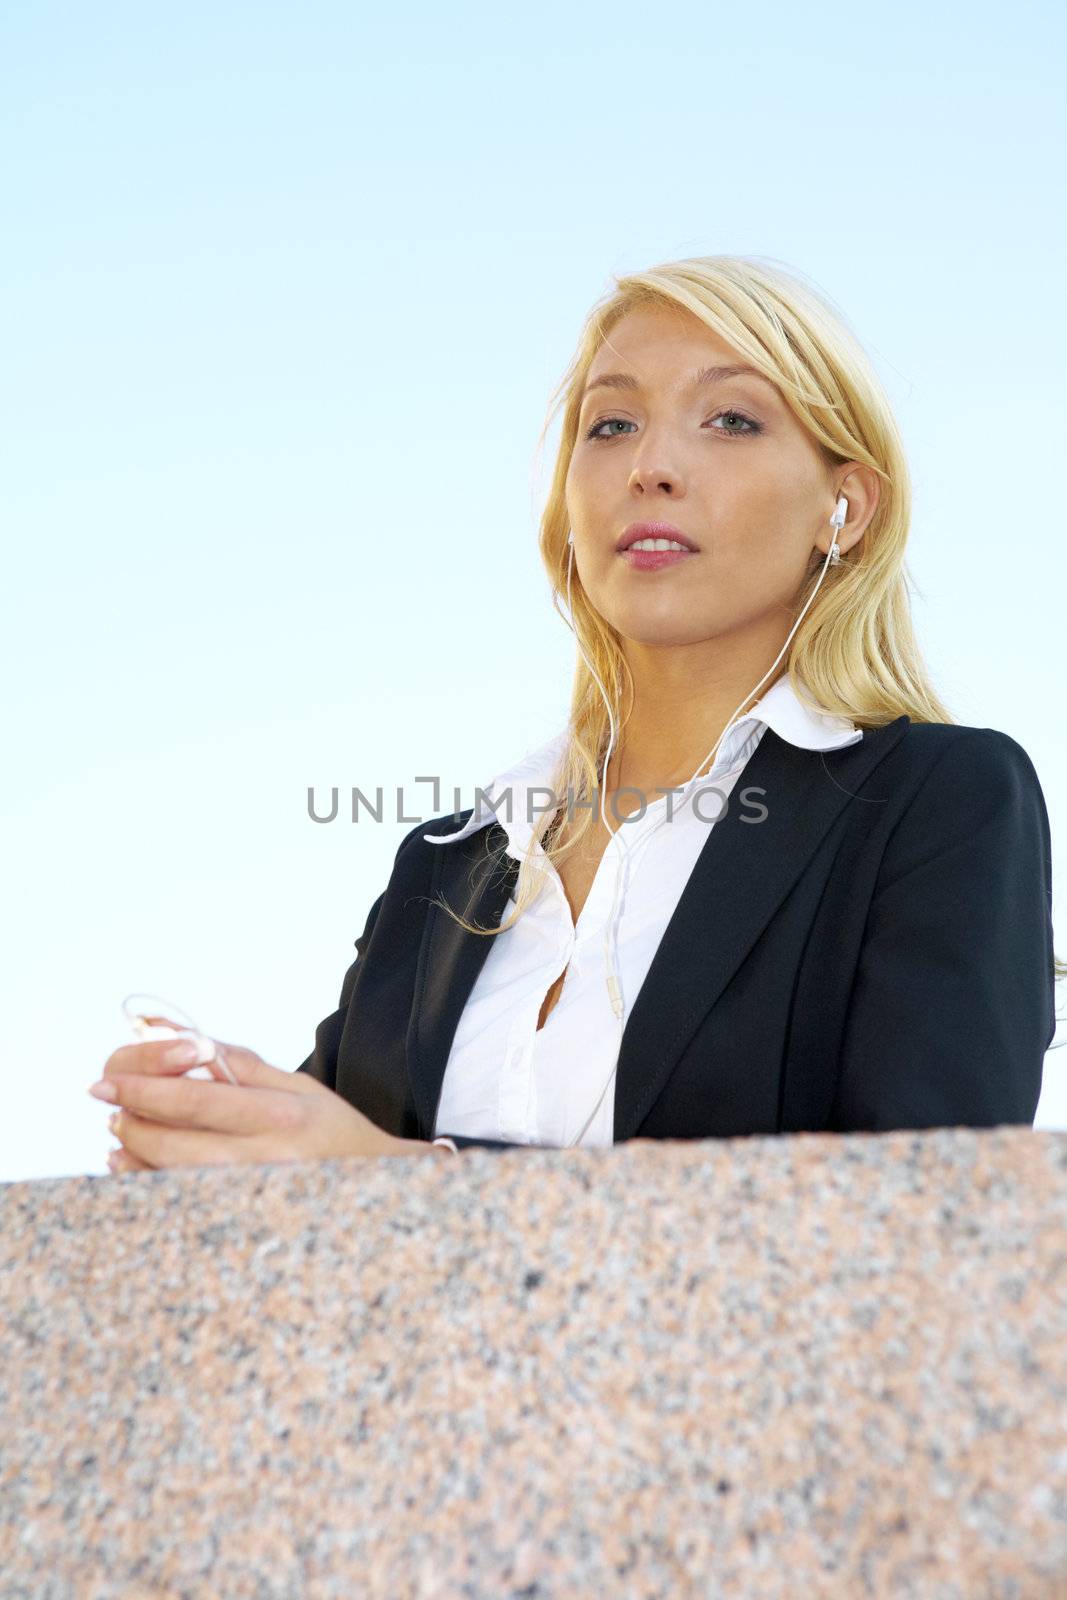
(202, 1104)
(162, 1057)
(122, 1160)
(312, 1124)
(160, 1145)
(170, 1058)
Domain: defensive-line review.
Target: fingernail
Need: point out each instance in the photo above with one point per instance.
(196, 1051)
(104, 1090)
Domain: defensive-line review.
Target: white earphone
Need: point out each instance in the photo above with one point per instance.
(833, 558)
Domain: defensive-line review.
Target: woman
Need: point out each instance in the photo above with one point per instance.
(817, 905)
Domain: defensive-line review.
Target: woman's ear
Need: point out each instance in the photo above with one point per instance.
(862, 490)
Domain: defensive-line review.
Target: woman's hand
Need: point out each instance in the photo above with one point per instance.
(165, 1119)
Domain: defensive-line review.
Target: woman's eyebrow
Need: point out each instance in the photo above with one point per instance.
(626, 380)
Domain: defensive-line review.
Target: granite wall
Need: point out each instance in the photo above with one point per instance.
(806, 1366)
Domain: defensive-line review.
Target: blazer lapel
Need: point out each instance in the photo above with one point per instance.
(741, 876)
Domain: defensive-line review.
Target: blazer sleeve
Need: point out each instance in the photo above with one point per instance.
(322, 1062)
(463, 1141)
(953, 1003)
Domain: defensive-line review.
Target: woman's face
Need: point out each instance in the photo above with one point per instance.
(723, 459)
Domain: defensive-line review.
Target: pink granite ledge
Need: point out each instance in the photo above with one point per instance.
(771, 1367)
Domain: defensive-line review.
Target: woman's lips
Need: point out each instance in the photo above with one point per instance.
(652, 560)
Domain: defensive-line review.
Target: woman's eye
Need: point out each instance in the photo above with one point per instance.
(594, 432)
(738, 416)
(750, 426)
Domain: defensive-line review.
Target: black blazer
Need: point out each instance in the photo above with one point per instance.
(864, 943)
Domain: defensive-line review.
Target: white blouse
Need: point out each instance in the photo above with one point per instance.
(505, 1078)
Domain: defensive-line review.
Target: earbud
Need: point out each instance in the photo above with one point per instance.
(838, 521)
(570, 537)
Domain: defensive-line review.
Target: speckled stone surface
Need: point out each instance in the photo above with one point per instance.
(800, 1366)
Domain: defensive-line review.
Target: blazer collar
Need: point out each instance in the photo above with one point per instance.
(744, 871)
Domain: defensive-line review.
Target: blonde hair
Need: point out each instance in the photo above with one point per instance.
(855, 651)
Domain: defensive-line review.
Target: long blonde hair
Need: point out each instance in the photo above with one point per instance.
(855, 651)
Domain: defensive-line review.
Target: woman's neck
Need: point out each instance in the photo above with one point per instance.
(664, 745)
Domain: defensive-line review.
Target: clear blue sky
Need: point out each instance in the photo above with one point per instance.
(285, 293)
